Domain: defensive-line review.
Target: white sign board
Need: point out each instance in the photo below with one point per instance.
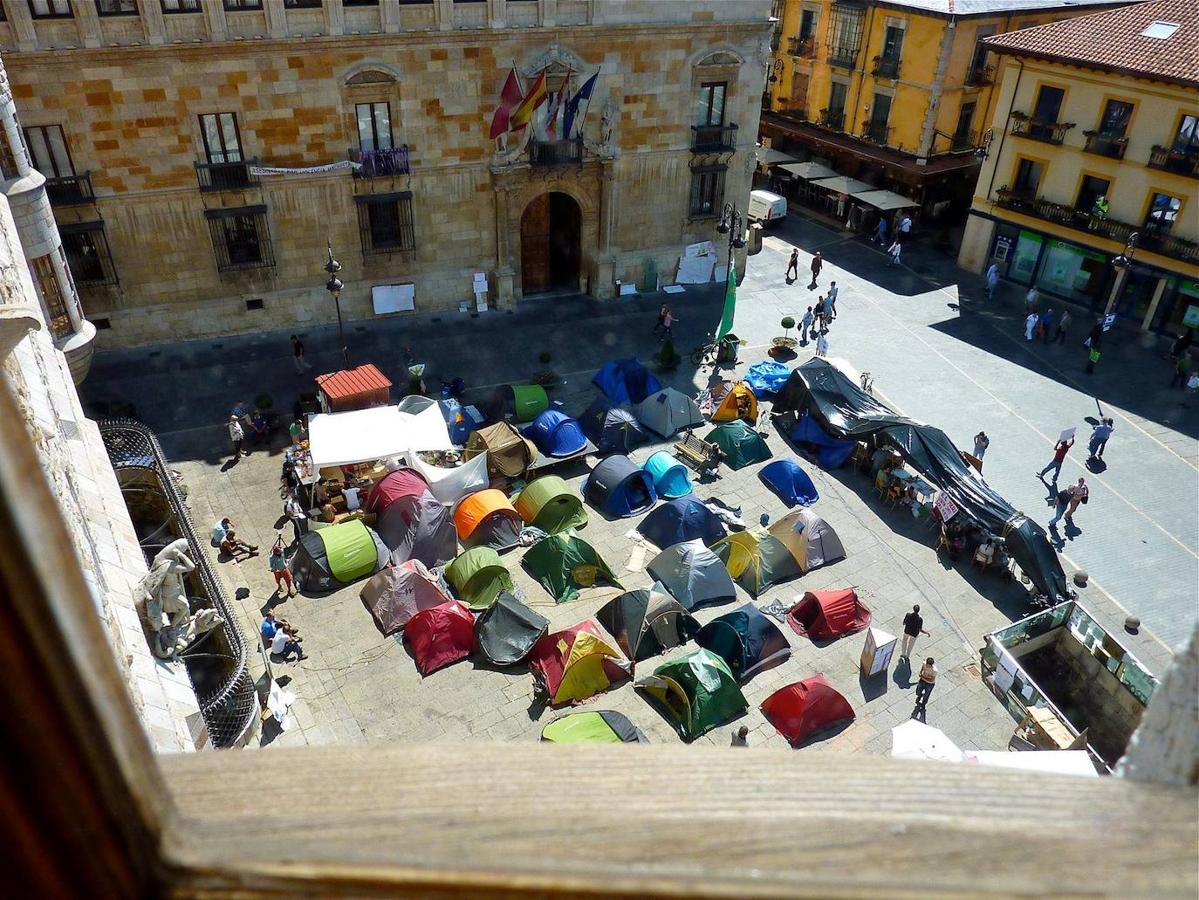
(695, 269)
(390, 298)
(1067, 434)
(945, 507)
(480, 282)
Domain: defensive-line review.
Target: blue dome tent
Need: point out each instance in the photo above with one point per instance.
(555, 433)
(626, 381)
(669, 475)
(677, 521)
(789, 482)
(829, 451)
(617, 487)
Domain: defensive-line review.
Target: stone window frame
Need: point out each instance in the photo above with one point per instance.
(110, 12)
(97, 239)
(717, 174)
(370, 82)
(256, 216)
(56, 9)
(56, 169)
(181, 7)
(713, 67)
(401, 204)
(54, 298)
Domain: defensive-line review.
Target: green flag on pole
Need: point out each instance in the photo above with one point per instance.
(730, 304)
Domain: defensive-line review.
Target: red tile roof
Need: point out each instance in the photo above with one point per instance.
(1113, 41)
(352, 382)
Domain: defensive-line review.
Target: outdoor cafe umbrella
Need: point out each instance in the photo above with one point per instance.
(915, 740)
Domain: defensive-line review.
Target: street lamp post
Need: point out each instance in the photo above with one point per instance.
(334, 286)
(1122, 263)
(731, 223)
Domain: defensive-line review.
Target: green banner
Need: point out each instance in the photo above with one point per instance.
(730, 304)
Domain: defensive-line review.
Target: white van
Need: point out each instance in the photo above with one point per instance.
(766, 207)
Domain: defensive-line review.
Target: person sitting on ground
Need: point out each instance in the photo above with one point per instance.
(284, 639)
(272, 623)
(232, 545)
(219, 530)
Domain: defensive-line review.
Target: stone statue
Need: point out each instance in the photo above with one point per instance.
(607, 122)
(163, 599)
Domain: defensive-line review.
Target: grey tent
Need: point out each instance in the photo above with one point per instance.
(693, 575)
(646, 623)
(612, 429)
(418, 527)
(507, 630)
(668, 412)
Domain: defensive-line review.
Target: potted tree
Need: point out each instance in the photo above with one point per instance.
(667, 358)
(785, 345)
(547, 377)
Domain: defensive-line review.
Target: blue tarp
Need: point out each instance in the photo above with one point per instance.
(789, 482)
(626, 381)
(829, 452)
(670, 475)
(555, 433)
(766, 378)
(685, 519)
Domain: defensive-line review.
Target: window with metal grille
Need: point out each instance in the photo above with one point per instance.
(48, 147)
(222, 139)
(180, 6)
(8, 157)
(709, 103)
(234, 5)
(52, 296)
(385, 222)
(50, 9)
(848, 19)
(240, 238)
(116, 7)
(374, 126)
(707, 191)
(777, 10)
(87, 253)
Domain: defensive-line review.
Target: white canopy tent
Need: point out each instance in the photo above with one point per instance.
(381, 432)
(842, 184)
(809, 170)
(884, 200)
(768, 156)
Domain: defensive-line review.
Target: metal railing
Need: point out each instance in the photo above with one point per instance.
(556, 153)
(804, 48)
(220, 677)
(979, 75)
(832, 118)
(966, 140)
(885, 67)
(1039, 129)
(381, 163)
(1176, 161)
(226, 176)
(713, 138)
(1103, 145)
(876, 132)
(843, 57)
(70, 190)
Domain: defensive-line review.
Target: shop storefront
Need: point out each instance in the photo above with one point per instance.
(1179, 307)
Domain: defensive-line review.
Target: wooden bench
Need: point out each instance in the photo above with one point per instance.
(701, 455)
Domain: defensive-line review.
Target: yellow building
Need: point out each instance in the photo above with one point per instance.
(893, 93)
(1089, 190)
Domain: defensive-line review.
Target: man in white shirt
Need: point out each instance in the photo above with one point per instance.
(352, 501)
(237, 436)
(830, 300)
(283, 645)
(905, 227)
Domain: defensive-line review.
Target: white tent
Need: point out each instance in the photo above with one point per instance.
(809, 170)
(451, 485)
(884, 200)
(915, 740)
(364, 435)
(1056, 762)
(842, 184)
(768, 156)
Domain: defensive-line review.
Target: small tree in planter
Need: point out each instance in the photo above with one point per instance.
(547, 377)
(667, 358)
(785, 345)
(788, 323)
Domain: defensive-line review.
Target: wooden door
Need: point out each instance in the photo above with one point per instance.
(535, 246)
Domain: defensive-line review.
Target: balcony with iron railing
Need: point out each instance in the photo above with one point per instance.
(1039, 129)
(1177, 161)
(876, 132)
(980, 75)
(843, 57)
(803, 48)
(385, 163)
(1030, 204)
(885, 67)
(70, 190)
(713, 138)
(226, 176)
(832, 118)
(556, 153)
(1105, 145)
(963, 140)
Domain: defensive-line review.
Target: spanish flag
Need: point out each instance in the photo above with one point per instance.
(533, 99)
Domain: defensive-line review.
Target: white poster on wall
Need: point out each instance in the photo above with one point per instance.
(391, 298)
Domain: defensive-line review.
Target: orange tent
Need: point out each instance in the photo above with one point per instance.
(487, 518)
(735, 401)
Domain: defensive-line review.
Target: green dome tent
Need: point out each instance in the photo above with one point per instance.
(335, 556)
(478, 576)
(599, 727)
(697, 691)
(549, 504)
(524, 401)
(563, 563)
(740, 444)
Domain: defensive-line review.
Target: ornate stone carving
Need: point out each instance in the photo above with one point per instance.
(162, 598)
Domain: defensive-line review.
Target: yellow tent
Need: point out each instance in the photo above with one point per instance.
(738, 402)
(810, 539)
(577, 663)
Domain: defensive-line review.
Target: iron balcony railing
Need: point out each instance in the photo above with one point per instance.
(384, 163)
(1104, 145)
(980, 75)
(1177, 161)
(832, 118)
(556, 153)
(964, 140)
(876, 132)
(217, 662)
(843, 57)
(1030, 204)
(886, 67)
(804, 48)
(70, 190)
(1039, 129)
(713, 138)
(226, 176)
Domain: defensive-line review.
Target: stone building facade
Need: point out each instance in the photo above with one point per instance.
(155, 123)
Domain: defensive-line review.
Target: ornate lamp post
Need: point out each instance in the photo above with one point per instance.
(732, 223)
(334, 286)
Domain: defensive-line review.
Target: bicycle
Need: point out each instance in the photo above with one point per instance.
(867, 382)
(705, 353)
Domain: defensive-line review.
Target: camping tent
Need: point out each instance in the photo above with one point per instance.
(440, 636)
(766, 377)
(610, 428)
(737, 402)
(789, 482)
(693, 575)
(507, 630)
(486, 518)
(418, 528)
(626, 381)
(747, 640)
(521, 401)
(756, 559)
(599, 727)
(402, 482)
(697, 691)
(646, 623)
(381, 432)
(669, 475)
(335, 556)
(806, 706)
(576, 663)
(740, 444)
(810, 539)
(549, 504)
(508, 452)
(822, 615)
(451, 485)
(415, 403)
(619, 488)
(563, 563)
(556, 434)
(668, 412)
(477, 577)
(815, 441)
(677, 521)
(397, 593)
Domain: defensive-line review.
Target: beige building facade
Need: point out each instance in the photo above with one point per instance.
(200, 156)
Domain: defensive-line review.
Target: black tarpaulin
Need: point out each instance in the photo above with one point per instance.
(845, 410)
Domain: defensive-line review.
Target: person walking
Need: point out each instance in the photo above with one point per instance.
(1099, 437)
(830, 300)
(893, 252)
(822, 345)
(913, 627)
(1182, 343)
(793, 266)
(1030, 300)
(1079, 494)
(981, 443)
(297, 355)
(297, 516)
(880, 232)
(668, 321)
(992, 281)
(818, 312)
(1061, 500)
(1046, 326)
(658, 326)
(817, 265)
(1182, 368)
(237, 437)
(279, 569)
(924, 687)
(905, 228)
(1059, 456)
(741, 737)
(806, 323)
(1059, 336)
(1030, 326)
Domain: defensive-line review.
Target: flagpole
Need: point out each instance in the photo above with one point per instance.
(587, 108)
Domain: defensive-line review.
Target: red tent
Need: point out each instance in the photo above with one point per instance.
(821, 615)
(806, 706)
(393, 486)
(440, 635)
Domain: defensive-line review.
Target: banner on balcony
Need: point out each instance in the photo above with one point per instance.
(307, 170)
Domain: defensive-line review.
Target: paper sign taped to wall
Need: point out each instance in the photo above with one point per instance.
(389, 298)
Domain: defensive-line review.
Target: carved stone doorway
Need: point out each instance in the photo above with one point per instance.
(550, 244)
